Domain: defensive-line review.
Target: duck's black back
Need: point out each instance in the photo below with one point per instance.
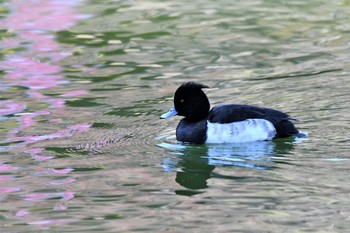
(235, 112)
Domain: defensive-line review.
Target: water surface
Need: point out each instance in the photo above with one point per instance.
(82, 86)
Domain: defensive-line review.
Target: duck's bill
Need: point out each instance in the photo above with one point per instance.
(169, 114)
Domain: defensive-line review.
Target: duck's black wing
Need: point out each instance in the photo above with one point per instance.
(235, 112)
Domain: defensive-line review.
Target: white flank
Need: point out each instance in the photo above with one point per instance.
(242, 131)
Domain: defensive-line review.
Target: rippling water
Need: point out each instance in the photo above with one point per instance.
(82, 86)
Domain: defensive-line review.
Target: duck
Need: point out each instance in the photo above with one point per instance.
(229, 123)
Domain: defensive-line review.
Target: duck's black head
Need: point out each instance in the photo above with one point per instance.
(190, 101)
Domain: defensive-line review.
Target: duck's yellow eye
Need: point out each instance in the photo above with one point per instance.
(182, 100)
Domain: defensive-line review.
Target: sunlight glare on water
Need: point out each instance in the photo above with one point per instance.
(83, 84)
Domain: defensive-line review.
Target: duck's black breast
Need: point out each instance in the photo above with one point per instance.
(235, 112)
(192, 132)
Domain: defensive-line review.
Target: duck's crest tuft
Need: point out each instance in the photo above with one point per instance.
(193, 85)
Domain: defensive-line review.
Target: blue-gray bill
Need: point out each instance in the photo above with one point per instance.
(172, 112)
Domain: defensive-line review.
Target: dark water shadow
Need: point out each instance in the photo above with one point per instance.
(194, 164)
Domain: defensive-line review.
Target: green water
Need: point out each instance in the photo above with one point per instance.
(82, 85)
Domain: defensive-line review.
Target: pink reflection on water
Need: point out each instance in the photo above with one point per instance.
(36, 95)
(35, 154)
(10, 107)
(27, 119)
(62, 171)
(33, 197)
(28, 66)
(34, 24)
(6, 178)
(68, 196)
(44, 42)
(56, 103)
(43, 15)
(32, 74)
(9, 189)
(68, 132)
(21, 213)
(6, 168)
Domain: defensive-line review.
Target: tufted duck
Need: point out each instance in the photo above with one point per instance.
(225, 123)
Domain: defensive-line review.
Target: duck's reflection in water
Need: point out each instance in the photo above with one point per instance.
(194, 164)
